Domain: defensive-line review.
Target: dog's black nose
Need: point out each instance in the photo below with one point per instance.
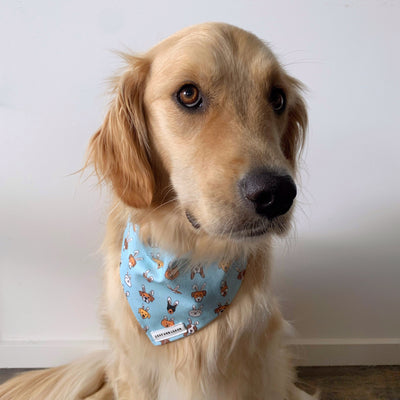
(270, 193)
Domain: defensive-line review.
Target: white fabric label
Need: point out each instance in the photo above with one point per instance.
(168, 333)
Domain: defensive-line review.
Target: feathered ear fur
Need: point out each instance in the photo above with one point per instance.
(294, 137)
(119, 150)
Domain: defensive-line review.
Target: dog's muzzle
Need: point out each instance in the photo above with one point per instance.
(267, 192)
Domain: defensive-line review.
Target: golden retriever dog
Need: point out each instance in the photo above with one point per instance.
(200, 147)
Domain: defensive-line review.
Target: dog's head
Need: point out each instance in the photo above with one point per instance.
(210, 121)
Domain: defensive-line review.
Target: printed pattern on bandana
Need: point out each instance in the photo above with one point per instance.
(169, 300)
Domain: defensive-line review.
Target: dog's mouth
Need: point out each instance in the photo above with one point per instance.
(244, 230)
(250, 231)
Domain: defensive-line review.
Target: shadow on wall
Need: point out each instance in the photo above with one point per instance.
(343, 285)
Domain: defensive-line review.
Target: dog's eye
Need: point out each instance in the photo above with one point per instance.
(277, 98)
(189, 96)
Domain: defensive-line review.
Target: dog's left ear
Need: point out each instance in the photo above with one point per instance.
(294, 136)
(119, 150)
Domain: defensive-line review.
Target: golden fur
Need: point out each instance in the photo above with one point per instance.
(161, 162)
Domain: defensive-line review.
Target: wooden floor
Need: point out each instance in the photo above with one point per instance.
(335, 383)
(352, 383)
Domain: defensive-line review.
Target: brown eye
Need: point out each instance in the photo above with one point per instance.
(189, 96)
(277, 99)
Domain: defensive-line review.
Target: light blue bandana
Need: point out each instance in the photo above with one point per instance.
(170, 298)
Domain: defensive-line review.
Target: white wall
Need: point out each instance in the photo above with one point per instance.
(337, 276)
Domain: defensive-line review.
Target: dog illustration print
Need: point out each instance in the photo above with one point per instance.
(127, 279)
(147, 276)
(133, 259)
(221, 308)
(224, 288)
(196, 311)
(146, 297)
(241, 273)
(167, 323)
(171, 308)
(156, 259)
(197, 270)
(199, 294)
(126, 242)
(224, 266)
(191, 327)
(172, 272)
(144, 312)
(175, 290)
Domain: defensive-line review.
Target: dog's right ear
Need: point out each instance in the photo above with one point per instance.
(119, 150)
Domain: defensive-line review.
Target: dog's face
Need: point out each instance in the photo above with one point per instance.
(210, 117)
